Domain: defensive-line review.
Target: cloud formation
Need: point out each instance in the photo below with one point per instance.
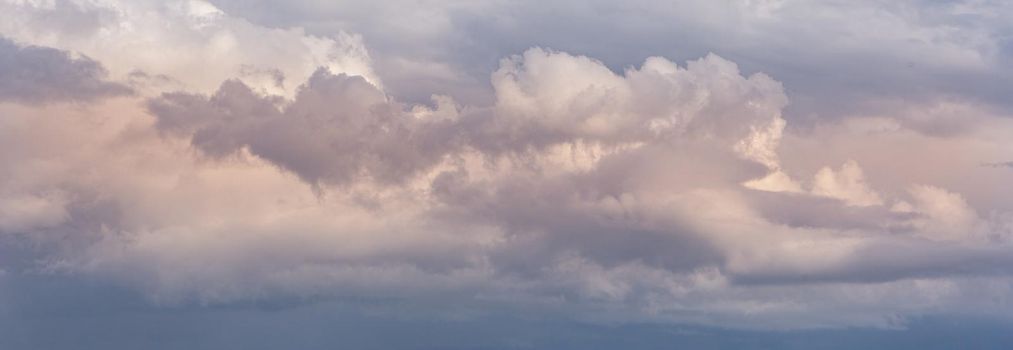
(260, 164)
(835, 60)
(194, 43)
(33, 74)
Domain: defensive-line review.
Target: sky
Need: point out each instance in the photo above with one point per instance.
(449, 174)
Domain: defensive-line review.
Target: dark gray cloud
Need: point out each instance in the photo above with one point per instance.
(35, 74)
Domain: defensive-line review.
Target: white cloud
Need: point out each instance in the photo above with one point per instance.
(190, 41)
(847, 184)
(945, 215)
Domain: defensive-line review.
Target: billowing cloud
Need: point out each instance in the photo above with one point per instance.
(33, 74)
(847, 185)
(539, 105)
(258, 164)
(835, 60)
(624, 191)
(193, 42)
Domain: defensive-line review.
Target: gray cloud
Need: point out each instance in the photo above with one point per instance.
(34, 74)
(338, 129)
(834, 60)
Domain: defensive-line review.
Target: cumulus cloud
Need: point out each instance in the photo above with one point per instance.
(539, 105)
(178, 38)
(274, 164)
(848, 185)
(946, 215)
(580, 98)
(623, 191)
(835, 60)
(338, 129)
(34, 74)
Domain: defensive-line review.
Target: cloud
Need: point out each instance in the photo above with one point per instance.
(848, 185)
(622, 192)
(34, 74)
(337, 129)
(344, 123)
(998, 164)
(28, 213)
(946, 214)
(835, 60)
(180, 38)
(262, 164)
